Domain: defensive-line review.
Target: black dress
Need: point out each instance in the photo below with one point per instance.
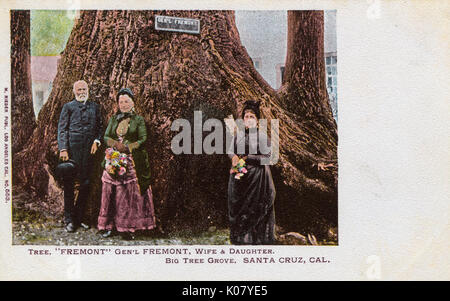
(251, 199)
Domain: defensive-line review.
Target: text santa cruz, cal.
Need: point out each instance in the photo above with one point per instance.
(291, 259)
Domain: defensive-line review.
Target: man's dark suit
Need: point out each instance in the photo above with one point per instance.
(80, 124)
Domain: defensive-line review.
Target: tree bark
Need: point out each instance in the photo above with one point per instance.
(312, 131)
(174, 74)
(23, 121)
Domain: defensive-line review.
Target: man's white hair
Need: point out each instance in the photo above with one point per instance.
(79, 82)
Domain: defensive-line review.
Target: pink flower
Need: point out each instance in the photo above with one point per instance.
(122, 171)
(238, 176)
(109, 169)
(244, 170)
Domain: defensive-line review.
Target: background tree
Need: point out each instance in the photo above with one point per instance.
(173, 74)
(23, 121)
(313, 151)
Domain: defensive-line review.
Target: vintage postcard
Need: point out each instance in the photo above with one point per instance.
(297, 140)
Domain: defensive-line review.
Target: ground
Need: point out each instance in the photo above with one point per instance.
(31, 227)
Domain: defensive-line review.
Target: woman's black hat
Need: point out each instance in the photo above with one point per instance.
(125, 91)
(251, 105)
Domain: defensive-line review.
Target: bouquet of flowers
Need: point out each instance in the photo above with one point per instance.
(239, 169)
(116, 162)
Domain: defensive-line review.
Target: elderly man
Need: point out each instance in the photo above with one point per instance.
(79, 134)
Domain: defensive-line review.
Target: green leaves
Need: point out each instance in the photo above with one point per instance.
(50, 30)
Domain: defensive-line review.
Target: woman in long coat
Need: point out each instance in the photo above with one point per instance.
(251, 197)
(127, 201)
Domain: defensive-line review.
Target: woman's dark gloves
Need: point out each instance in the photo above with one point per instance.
(121, 147)
(133, 146)
(117, 145)
(111, 142)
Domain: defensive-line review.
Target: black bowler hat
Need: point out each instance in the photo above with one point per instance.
(251, 105)
(125, 91)
(66, 169)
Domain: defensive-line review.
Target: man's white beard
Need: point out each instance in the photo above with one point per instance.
(82, 98)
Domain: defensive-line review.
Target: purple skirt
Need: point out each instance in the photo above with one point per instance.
(123, 207)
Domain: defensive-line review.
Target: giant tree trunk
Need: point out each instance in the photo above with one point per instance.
(313, 136)
(173, 74)
(23, 121)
